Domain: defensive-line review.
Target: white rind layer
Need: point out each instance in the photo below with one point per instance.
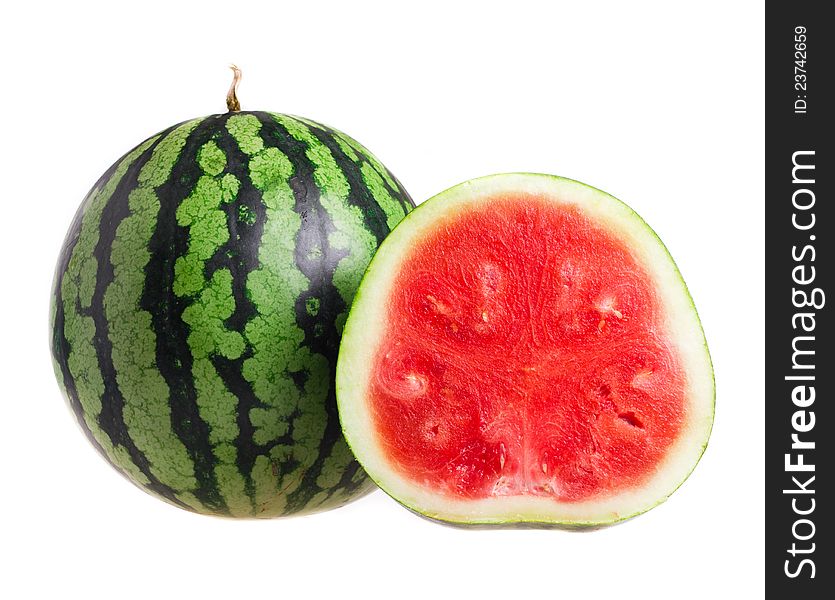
(366, 326)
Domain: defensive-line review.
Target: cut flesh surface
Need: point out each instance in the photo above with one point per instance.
(525, 351)
(519, 368)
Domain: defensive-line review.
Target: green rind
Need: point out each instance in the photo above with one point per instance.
(261, 462)
(357, 323)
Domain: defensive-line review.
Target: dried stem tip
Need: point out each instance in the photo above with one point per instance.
(232, 97)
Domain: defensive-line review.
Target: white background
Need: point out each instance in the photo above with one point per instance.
(658, 103)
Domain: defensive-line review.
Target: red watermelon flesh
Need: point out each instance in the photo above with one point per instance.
(522, 357)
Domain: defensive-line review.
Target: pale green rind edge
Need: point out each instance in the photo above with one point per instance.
(354, 325)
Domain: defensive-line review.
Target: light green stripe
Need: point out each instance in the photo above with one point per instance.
(373, 174)
(212, 304)
(333, 468)
(77, 287)
(201, 212)
(350, 232)
(334, 465)
(275, 337)
(345, 147)
(372, 160)
(390, 205)
(147, 410)
(56, 366)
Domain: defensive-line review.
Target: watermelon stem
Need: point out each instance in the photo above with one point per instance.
(232, 103)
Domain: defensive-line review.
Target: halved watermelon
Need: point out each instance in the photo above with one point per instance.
(523, 348)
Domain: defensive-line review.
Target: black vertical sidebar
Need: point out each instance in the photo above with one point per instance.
(800, 227)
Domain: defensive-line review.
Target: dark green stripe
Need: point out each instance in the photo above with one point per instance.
(349, 233)
(211, 230)
(272, 288)
(78, 326)
(245, 218)
(323, 481)
(375, 218)
(404, 197)
(91, 385)
(318, 307)
(340, 478)
(111, 417)
(59, 345)
(147, 405)
(362, 154)
(173, 355)
(313, 427)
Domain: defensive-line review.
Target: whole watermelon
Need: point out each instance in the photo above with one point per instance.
(198, 303)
